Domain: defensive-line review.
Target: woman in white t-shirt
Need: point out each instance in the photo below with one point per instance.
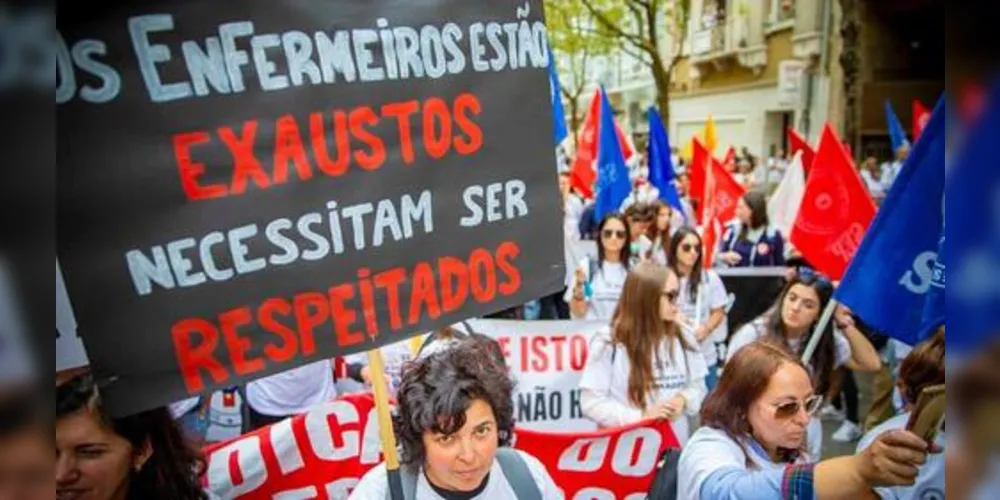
(923, 367)
(794, 321)
(597, 285)
(454, 424)
(702, 300)
(643, 366)
(282, 395)
(751, 444)
(659, 234)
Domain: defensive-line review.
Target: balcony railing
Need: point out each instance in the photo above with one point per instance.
(721, 39)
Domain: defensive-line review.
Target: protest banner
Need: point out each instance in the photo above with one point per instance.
(546, 360)
(254, 187)
(324, 453)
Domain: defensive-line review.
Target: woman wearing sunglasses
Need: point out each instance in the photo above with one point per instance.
(794, 321)
(642, 366)
(597, 284)
(750, 446)
(751, 241)
(702, 299)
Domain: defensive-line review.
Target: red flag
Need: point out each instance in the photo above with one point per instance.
(729, 161)
(696, 174)
(722, 191)
(836, 209)
(798, 143)
(921, 115)
(710, 240)
(583, 173)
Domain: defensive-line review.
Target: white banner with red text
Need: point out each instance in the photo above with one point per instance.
(323, 454)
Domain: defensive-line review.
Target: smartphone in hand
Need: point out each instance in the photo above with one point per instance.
(928, 413)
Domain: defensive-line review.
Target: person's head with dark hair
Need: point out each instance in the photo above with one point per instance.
(659, 230)
(765, 393)
(639, 216)
(922, 367)
(26, 454)
(684, 257)
(795, 318)
(141, 456)
(751, 210)
(613, 240)
(455, 409)
(683, 184)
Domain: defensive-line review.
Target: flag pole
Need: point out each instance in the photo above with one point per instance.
(817, 334)
(386, 435)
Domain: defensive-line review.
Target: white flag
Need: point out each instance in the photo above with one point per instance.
(784, 204)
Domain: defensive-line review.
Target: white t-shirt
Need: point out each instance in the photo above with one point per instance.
(930, 480)
(711, 450)
(605, 381)
(713, 296)
(874, 185)
(572, 211)
(294, 391)
(180, 408)
(374, 485)
(606, 287)
(394, 356)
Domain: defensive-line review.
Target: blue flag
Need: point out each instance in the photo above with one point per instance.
(973, 247)
(558, 115)
(661, 167)
(613, 184)
(897, 134)
(890, 275)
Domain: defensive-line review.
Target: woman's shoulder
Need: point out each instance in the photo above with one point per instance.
(372, 486)
(710, 442)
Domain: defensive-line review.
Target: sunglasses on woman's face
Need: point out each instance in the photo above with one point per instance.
(811, 275)
(687, 248)
(613, 233)
(790, 409)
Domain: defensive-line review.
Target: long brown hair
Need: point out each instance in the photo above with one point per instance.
(638, 327)
(743, 382)
(659, 238)
(824, 357)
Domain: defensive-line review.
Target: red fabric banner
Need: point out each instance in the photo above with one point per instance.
(798, 143)
(696, 173)
(583, 175)
(836, 210)
(921, 115)
(324, 453)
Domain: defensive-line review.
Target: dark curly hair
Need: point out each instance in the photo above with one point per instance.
(435, 392)
(173, 470)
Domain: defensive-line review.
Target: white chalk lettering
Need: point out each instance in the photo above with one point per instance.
(149, 54)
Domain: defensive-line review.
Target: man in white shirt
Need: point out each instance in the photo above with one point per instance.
(282, 395)
(891, 170)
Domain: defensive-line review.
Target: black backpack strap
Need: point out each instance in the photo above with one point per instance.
(518, 474)
(408, 479)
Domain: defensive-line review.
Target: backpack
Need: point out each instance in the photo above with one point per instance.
(511, 463)
(664, 485)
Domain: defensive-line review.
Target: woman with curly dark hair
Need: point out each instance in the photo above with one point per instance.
(454, 424)
(143, 456)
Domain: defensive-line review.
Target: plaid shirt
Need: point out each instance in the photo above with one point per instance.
(797, 482)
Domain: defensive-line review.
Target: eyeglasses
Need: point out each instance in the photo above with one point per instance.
(810, 275)
(672, 295)
(790, 409)
(687, 247)
(616, 233)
